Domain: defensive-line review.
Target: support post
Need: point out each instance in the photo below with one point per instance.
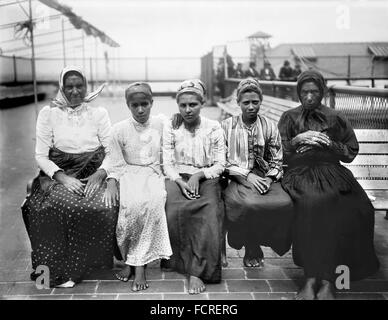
(91, 73)
(146, 68)
(33, 69)
(63, 43)
(83, 51)
(349, 70)
(15, 75)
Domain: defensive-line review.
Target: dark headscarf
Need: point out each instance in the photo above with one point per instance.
(311, 119)
(311, 76)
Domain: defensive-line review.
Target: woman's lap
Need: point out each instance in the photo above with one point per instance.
(334, 222)
(254, 219)
(64, 227)
(195, 228)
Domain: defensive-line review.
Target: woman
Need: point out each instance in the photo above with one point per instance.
(71, 230)
(334, 218)
(134, 162)
(258, 210)
(194, 158)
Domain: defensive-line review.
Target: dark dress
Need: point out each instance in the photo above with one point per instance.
(334, 222)
(70, 234)
(254, 219)
(195, 228)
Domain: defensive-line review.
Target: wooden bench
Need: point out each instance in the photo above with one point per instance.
(370, 167)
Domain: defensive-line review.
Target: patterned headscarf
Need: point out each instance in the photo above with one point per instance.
(138, 87)
(194, 86)
(60, 100)
(249, 84)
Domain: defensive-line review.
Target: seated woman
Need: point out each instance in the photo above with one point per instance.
(258, 211)
(194, 158)
(71, 230)
(334, 222)
(134, 161)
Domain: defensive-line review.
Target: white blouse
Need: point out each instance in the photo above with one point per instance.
(133, 144)
(79, 130)
(186, 152)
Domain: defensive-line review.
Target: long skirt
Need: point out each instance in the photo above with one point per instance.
(334, 222)
(254, 219)
(142, 233)
(195, 228)
(70, 234)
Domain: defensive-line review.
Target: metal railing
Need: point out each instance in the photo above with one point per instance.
(365, 108)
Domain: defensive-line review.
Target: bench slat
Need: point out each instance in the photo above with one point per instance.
(379, 148)
(369, 135)
(375, 160)
(373, 184)
(369, 172)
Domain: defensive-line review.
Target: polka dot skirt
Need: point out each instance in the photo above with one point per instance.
(70, 234)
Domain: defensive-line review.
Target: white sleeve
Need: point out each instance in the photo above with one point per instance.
(218, 143)
(168, 150)
(103, 132)
(114, 162)
(44, 141)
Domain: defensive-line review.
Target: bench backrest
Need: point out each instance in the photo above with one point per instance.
(370, 167)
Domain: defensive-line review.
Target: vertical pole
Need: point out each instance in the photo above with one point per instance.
(15, 75)
(225, 63)
(33, 61)
(63, 43)
(95, 59)
(91, 73)
(146, 68)
(373, 73)
(83, 51)
(349, 70)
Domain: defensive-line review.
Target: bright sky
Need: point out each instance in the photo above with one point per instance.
(193, 27)
(190, 28)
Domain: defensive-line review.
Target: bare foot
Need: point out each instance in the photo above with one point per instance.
(140, 282)
(253, 258)
(308, 291)
(124, 274)
(196, 285)
(253, 262)
(327, 291)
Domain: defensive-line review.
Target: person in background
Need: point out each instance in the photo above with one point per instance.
(252, 72)
(334, 221)
(267, 72)
(286, 72)
(194, 159)
(297, 71)
(239, 73)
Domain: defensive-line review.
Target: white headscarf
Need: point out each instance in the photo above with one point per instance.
(61, 101)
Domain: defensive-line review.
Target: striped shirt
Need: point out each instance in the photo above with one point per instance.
(255, 146)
